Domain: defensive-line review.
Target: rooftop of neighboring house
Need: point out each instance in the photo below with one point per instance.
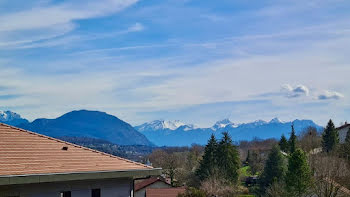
(168, 192)
(344, 126)
(146, 182)
(24, 153)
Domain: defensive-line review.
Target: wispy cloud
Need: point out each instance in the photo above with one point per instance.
(297, 91)
(326, 95)
(63, 13)
(45, 22)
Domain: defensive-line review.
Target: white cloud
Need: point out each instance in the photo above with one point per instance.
(51, 21)
(326, 95)
(136, 27)
(46, 17)
(297, 91)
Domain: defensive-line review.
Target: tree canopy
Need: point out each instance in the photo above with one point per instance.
(274, 168)
(209, 161)
(298, 177)
(330, 137)
(228, 159)
(283, 143)
(292, 141)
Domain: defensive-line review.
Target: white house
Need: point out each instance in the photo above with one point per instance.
(34, 165)
(343, 130)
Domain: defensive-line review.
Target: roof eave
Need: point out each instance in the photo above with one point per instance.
(75, 176)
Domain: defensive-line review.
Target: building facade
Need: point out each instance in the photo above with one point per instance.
(34, 165)
(343, 130)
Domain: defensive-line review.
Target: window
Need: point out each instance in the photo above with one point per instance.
(96, 193)
(66, 194)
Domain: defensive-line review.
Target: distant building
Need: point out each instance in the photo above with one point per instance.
(343, 130)
(34, 165)
(151, 183)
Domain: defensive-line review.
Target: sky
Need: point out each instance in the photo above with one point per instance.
(198, 61)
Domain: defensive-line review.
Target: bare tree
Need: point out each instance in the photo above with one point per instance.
(277, 189)
(328, 170)
(309, 139)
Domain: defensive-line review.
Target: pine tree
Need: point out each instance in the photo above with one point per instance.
(298, 177)
(209, 161)
(292, 141)
(330, 137)
(284, 146)
(274, 170)
(228, 159)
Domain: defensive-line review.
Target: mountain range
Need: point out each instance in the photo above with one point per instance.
(12, 118)
(103, 126)
(161, 134)
(91, 124)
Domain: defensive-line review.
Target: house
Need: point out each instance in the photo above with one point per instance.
(166, 192)
(34, 165)
(150, 183)
(343, 130)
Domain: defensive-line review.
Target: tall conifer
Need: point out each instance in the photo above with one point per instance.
(330, 137)
(284, 146)
(228, 159)
(209, 161)
(292, 141)
(274, 170)
(298, 177)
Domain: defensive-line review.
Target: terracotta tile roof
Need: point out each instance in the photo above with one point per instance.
(24, 153)
(148, 182)
(166, 192)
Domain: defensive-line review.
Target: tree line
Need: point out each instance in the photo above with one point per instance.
(308, 164)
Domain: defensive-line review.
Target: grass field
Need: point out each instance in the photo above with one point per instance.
(244, 171)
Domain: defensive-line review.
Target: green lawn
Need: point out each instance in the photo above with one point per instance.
(244, 171)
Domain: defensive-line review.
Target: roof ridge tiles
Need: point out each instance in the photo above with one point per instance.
(75, 145)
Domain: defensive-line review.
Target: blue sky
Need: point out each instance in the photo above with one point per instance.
(193, 60)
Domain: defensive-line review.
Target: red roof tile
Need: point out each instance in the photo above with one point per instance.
(23, 152)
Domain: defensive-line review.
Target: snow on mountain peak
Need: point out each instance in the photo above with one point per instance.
(222, 124)
(276, 120)
(172, 125)
(259, 122)
(160, 125)
(8, 116)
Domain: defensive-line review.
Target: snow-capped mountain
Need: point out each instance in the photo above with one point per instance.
(185, 135)
(276, 120)
(160, 125)
(11, 118)
(222, 124)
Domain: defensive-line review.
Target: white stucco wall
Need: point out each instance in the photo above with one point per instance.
(109, 188)
(342, 134)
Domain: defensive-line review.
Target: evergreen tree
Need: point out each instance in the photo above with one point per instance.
(330, 137)
(292, 141)
(249, 157)
(228, 159)
(298, 177)
(209, 161)
(274, 169)
(284, 146)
